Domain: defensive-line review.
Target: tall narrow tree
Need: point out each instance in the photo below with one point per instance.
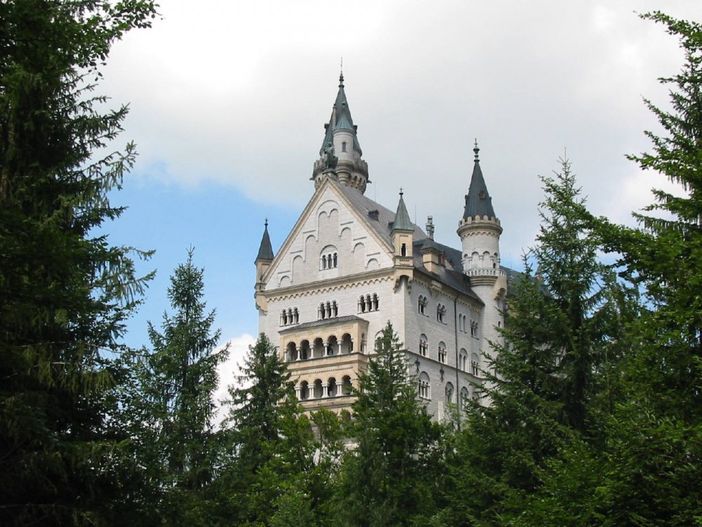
(64, 290)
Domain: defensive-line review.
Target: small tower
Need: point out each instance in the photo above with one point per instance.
(340, 155)
(480, 231)
(263, 261)
(402, 241)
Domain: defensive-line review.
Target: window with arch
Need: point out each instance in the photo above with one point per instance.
(346, 386)
(441, 313)
(449, 392)
(422, 305)
(318, 391)
(462, 360)
(368, 303)
(329, 258)
(327, 310)
(423, 345)
(423, 388)
(304, 391)
(474, 364)
(442, 352)
(465, 396)
(473, 328)
(289, 316)
(332, 388)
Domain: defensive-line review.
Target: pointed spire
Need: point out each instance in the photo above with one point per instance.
(265, 250)
(340, 120)
(402, 219)
(478, 200)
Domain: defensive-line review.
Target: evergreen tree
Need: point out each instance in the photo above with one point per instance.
(388, 477)
(544, 377)
(270, 445)
(172, 395)
(64, 290)
(654, 440)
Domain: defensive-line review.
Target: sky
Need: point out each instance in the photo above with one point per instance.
(228, 100)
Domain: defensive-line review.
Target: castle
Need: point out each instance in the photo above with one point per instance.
(349, 265)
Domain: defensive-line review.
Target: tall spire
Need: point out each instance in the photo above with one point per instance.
(340, 154)
(402, 219)
(478, 200)
(265, 250)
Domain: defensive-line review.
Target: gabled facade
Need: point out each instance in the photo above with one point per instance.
(349, 265)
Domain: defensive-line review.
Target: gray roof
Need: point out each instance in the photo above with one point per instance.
(402, 220)
(340, 120)
(265, 250)
(478, 200)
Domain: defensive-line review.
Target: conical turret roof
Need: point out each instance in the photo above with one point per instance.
(265, 250)
(340, 120)
(402, 220)
(478, 200)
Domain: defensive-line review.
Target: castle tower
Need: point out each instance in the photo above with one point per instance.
(479, 230)
(263, 261)
(340, 155)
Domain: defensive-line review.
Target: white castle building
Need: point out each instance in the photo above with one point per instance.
(350, 265)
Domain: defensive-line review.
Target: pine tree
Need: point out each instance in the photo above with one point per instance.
(388, 477)
(64, 290)
(173, 393)
(654, 440)
(547, 372)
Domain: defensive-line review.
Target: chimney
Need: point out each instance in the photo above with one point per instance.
(430, 227)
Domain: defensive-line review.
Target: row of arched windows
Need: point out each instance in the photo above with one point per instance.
(329, 261)
(424, 346)
(289, 316)
(368, 303)
(319, 389)
(319, 348)
(327, 310)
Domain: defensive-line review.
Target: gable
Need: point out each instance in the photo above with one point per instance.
(330, 239)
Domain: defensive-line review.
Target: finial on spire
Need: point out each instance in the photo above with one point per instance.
(476, 149)
(401, 193)
(265, 223)
(341, 73)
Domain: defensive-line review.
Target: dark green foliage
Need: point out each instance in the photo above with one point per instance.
(654, 438)
(541, 386)
(170, 400)
(64, 291)
(388, 477)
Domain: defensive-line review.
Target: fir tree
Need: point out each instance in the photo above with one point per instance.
(64, 290)
(173, 394)
(388, 477)
(653, 453)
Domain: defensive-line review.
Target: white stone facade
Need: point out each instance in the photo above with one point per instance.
(350, 265)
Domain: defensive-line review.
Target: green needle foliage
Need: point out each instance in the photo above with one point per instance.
(65, 292)
(172, 397)
(387, 477)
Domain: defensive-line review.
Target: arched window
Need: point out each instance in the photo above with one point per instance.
(375, 302)
(346, 344)
(318, 390)
(296, 316)
(346, 385)
(291, 354)
(329, 258)
(462, 359)
(362, 304)
(284, 318)
(331, 387)
(422, 305)
(318, 348)
(305, 349)
(474, 364)
(343, 146)
(423, 345)
(442, 352)
(332, 346)
(424, 387)
(449, 392)
(465, 396)
(441, 313)
(403, 250)
(304, 391)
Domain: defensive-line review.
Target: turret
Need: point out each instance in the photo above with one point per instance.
(480, 231)
(264, 259)
(402, 234)
(340, 155)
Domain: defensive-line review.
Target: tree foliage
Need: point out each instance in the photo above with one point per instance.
(64, 290)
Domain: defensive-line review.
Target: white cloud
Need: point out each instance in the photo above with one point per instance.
(230, 371)
(237, 92)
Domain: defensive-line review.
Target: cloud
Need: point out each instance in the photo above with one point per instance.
(237, 93)
(230, 371)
